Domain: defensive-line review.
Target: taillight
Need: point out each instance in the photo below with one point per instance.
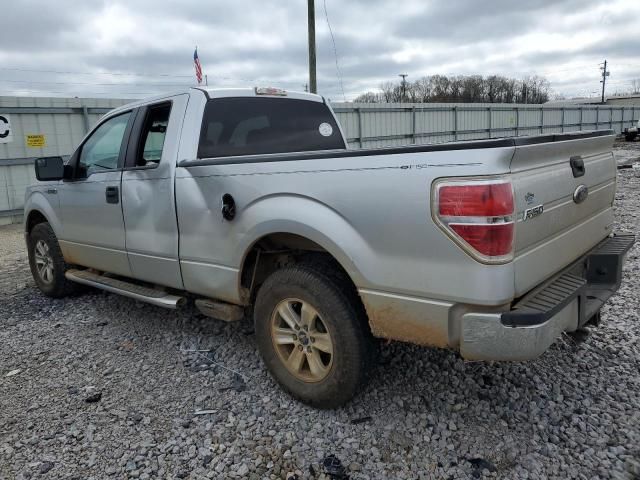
(478, 215)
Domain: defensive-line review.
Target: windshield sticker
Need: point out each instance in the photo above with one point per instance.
(325, 129)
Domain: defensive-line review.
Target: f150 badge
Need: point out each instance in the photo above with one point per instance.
(532, 212)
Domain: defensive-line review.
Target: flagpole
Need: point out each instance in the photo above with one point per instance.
(206, 81)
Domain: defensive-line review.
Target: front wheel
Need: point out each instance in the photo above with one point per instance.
(47, 263)
(313, 335)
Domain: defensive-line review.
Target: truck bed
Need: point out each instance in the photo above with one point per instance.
(371, 209)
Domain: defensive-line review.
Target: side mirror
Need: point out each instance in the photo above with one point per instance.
(49, 168)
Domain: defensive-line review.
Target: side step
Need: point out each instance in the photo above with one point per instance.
(126, 289)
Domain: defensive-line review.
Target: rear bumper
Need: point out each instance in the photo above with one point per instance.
(564, 303)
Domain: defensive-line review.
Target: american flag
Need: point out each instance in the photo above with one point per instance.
(196, 61)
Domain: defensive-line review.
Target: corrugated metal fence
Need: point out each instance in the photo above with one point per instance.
(378, 125)
(37, 127)
(54, 126)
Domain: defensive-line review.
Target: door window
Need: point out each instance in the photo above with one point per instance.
(102, 149)
(153, 135)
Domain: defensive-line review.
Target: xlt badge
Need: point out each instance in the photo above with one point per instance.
(532, 212)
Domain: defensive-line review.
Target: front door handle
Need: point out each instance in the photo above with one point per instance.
(112, 195)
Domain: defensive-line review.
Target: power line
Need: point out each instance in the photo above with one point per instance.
(73, 92)
(136, 74)
(76, 94)
(335, 50)
(568, 69)
(636, 65)
(35, 82)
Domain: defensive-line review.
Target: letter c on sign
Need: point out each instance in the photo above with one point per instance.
(5, 133)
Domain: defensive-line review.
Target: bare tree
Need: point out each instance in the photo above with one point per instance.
(468, 89)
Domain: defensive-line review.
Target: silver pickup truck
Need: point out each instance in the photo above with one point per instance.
(247, 201)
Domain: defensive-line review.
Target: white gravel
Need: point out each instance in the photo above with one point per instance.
(107, 388)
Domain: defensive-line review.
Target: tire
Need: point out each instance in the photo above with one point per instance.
(339, 315)
(42, 246)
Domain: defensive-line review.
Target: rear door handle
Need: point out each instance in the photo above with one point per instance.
(112, 194)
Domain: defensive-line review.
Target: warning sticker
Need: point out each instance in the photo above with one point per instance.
(36, 141)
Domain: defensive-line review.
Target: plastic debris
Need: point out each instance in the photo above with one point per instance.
(481, 464)
(333, 467)
(93, 397)
(356, 421)
(204, 412)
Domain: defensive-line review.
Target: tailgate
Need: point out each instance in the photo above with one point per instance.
(553, 228)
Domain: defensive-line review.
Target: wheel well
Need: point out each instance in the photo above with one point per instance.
(34, 218)
(278, 250)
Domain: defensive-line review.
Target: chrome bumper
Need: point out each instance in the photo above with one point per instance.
(562, 304)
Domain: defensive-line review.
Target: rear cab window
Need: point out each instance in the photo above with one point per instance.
(258, 125)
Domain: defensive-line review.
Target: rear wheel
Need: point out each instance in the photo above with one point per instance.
(312, 334)
(47, 263)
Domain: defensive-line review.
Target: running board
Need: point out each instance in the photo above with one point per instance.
(126, 289)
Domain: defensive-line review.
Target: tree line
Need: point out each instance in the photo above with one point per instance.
(462, 89)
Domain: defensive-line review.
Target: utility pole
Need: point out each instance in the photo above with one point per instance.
(311, 19)
(404, 85)
(605, 74)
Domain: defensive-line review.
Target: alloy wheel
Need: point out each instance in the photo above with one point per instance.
(302, 340)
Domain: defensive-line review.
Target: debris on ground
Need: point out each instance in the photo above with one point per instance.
(482, 464)
(359, 420)
(44, 467)
(93, 396)
(333, 467)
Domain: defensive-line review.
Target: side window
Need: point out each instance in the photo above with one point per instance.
(152, 135)
(102, 150)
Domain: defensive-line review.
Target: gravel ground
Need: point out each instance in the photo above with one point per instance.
(99, 386)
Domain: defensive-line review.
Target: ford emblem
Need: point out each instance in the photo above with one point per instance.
(581, 194)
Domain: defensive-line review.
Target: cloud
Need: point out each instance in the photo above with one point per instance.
(245, 42)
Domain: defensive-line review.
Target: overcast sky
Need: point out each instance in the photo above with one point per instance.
(264, 42)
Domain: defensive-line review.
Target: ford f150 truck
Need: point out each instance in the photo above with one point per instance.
(247, 201)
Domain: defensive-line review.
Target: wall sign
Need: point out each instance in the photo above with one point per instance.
(35, 140)
(6, 135)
